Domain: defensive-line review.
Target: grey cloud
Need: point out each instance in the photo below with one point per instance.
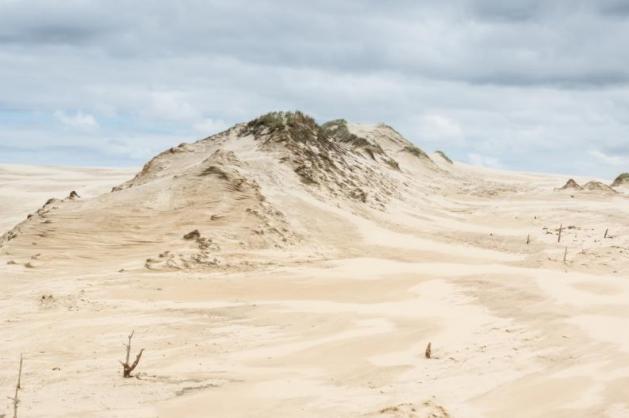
(507, 46)
(525, 78)
(508, 10)
(43, 22)
(614, 8)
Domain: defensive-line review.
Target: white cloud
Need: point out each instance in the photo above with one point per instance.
(171, 105)
(614, 160)
(439, 128)
(465, 80)
(483, 160)
(77, 120)
(210, 126)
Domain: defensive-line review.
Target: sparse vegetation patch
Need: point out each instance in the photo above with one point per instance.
(621, 179)
(417, 152)
(444, 156)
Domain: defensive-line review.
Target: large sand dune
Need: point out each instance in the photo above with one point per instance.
(317, 264)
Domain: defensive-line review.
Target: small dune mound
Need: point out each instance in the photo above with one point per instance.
(597, 186)
(571, 185)
(591, 186)
(621, 181)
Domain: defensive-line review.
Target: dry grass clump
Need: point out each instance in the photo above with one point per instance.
(621, 179)
(417, 152)
(277, 121)
(444, 156)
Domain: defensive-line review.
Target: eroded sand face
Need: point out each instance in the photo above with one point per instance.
(515, 332)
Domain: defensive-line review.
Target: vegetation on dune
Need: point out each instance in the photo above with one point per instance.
(276, 121)
(571, 184)
(298, 127)
(444, 156)
(417, 152)
(597, 186)
(393, 164)
(338, 132)
(621, 179)
(284, 126)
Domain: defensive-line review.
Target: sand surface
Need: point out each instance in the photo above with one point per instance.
(25, 188)
(515, 331)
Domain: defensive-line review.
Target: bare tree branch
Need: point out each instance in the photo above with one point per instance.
(18, 386)
(127, 368)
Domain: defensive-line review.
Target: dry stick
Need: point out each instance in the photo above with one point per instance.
(565, 253)
(559, 235)
(18, 386)
(528, 239)
(126, 367)
(606, 231)
(428, 352)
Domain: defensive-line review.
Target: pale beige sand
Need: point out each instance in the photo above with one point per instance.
(515, 332)
(23, 189)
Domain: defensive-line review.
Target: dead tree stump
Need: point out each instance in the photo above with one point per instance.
(126, 367)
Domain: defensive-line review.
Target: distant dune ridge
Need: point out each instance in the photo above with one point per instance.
(571, 185)
(597, 186)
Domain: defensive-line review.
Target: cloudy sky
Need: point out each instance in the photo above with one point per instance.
(540, 85)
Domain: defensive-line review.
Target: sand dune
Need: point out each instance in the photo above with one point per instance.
(288, 269)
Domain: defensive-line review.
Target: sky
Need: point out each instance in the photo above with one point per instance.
(535, 85)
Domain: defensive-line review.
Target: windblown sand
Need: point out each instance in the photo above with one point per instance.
(515, 331)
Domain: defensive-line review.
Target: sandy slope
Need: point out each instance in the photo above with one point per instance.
(25, 188)
(336, 332)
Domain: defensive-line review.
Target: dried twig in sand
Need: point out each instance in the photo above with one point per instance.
(565, 254)
(126, 367)
(606, 231)
(528, 239)
(559, 235)
(428, 352)
(18, 386)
